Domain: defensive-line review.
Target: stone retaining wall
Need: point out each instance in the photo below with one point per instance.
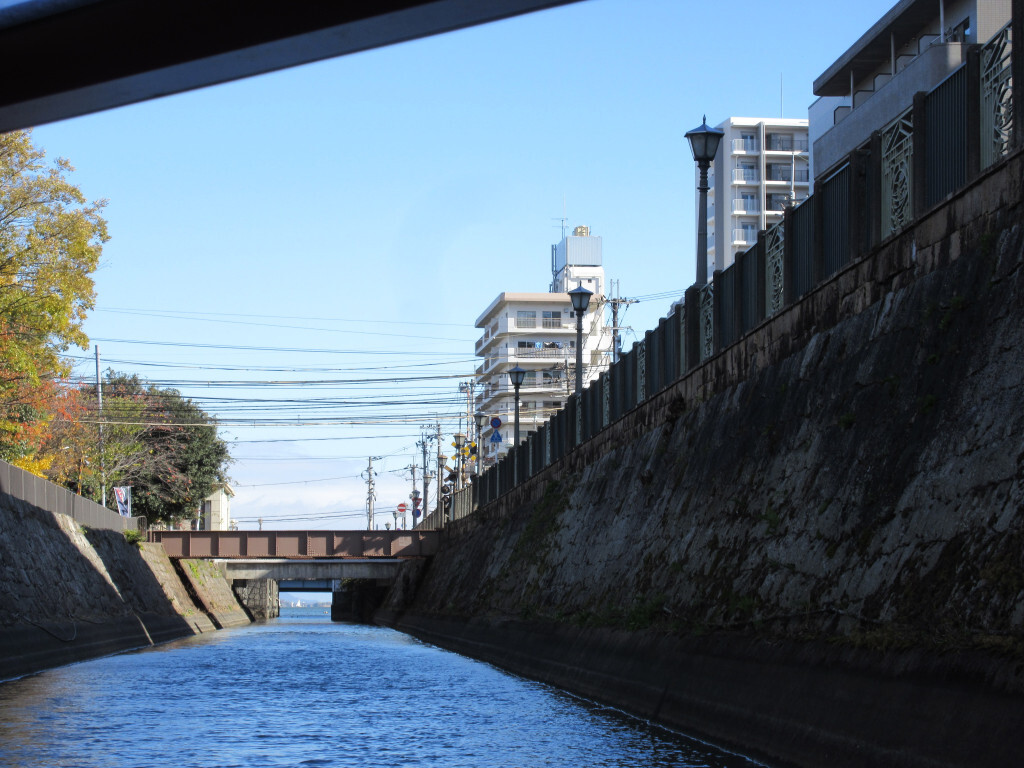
(69, 593)
(814, 543)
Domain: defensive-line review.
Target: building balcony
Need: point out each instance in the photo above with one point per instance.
(744, 236)
(785, 144)
(547, 323)
(500, 393)
(512, 356)
(785, 173)
(845, 123)
(746, 205)
(745, 175)
(744, 145)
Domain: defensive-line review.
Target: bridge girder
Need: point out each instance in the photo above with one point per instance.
(310, 570)
(65, 58)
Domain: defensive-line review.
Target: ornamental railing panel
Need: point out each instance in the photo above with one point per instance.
(897, 191)
(774, 255)
(996, 97)
(707, 321)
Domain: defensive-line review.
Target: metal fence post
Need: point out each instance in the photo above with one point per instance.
(857, 209)
(760, 281)
(972, 106)
(739, 289)
(919, 161)
(817, 240)
(717, 308)
(691, 326)
(875, 189)
(788, 257)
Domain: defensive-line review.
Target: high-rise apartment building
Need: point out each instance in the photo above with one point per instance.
(761, 166)
(537, 332)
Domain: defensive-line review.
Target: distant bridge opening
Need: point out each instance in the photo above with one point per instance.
(356, 567)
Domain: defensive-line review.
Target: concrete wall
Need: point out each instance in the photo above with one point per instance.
(43, 494)
(812, 547)
(69, 593)
(213, 593)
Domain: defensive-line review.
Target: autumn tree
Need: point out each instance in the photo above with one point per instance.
(50, 244)
(155, 440)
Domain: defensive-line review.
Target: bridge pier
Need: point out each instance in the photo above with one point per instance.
(259, 596)
(358, 599)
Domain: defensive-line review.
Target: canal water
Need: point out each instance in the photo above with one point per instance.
(302, 691)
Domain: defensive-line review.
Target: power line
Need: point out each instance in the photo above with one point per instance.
(186, 315)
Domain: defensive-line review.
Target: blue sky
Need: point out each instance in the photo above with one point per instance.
(350, 219)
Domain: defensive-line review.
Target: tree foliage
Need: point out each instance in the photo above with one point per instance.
(161, 444)
(50, 244)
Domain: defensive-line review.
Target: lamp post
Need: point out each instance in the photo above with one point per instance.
(481, 420)
(580, 297)
(517, 375)
(704, 143)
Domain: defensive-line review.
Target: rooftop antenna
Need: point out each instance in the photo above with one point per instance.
(563, 219)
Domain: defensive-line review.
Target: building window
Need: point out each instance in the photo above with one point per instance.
(552, 318)
(526, 318)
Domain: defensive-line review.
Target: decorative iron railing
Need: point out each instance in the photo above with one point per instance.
(996, 96)
(871, 197)
(897, 173)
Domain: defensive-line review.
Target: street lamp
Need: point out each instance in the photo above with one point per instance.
(517, 376)
(704, 143)
(481, 421)
(580, 297)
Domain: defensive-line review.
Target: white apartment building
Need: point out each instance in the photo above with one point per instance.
(761, 164)
(537, 332)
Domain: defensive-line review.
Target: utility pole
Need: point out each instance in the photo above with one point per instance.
(617, 302)
(411, 495)
(424, 444)
(370, 495)
(440, 466)
(468, 387)
(99, 401)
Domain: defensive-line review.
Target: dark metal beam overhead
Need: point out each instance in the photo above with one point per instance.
(63, 58)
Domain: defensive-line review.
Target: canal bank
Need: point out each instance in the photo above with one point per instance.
(812, 546)
(70, 592)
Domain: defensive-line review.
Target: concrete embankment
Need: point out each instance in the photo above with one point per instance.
(69, 593)
(811, 548)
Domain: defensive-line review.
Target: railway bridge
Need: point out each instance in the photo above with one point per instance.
(355, 566)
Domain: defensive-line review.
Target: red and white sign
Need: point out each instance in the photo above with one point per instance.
(402, 507)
